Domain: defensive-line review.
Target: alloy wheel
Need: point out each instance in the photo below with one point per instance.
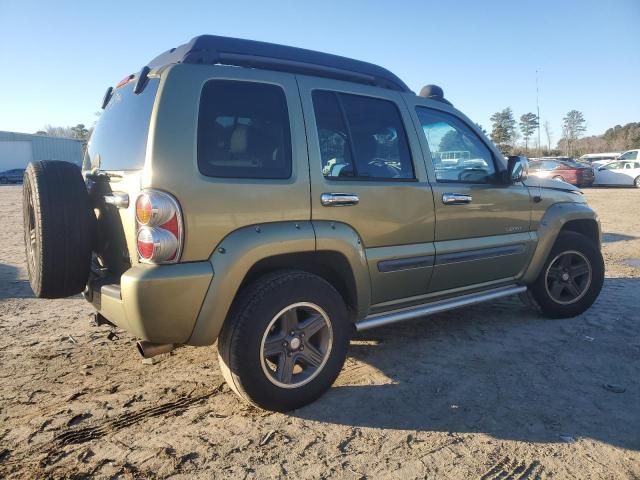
(568, 277)
(296, 345)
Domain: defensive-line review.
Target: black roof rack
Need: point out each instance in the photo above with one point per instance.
(212, 49)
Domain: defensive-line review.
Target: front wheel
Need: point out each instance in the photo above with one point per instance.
(571, 278)
(285, 340)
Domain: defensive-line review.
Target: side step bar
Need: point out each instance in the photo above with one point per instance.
(386, 318)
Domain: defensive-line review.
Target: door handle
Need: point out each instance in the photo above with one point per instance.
(456, 198)
(339, 199)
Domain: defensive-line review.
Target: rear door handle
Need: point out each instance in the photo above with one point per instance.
(339, 199)
(456, 198)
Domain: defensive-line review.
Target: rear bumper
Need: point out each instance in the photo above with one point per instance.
(155, 303)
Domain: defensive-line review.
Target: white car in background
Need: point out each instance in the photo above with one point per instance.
(630, 155)
(619, 172)
(599, 158)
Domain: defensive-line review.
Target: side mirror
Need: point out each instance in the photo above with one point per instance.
(517, 168)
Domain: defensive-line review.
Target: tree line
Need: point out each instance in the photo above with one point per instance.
(79, 132)
(513, 137)
(615, 139)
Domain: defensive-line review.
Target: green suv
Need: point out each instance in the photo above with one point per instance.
(277, 199)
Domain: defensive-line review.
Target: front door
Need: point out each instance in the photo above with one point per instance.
(482, 235)
(367, 174)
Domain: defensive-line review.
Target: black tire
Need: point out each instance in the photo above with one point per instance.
(589, 285)
(241, 341)
(636, 182)
(58, 228)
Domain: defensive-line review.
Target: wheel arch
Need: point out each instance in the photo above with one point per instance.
(585, 226)
(573, 217)
(331, 266)
(332, 251)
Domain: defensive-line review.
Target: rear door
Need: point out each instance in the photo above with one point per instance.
(366, 172)
(482, 232)
(117, 151)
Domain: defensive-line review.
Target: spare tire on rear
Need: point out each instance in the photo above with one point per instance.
(58, 228)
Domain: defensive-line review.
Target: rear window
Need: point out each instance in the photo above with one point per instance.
(243, 131)
(119, 140)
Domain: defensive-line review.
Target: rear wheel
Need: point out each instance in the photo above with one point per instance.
(571, 278)
(285, 341)
(58, 228)
(636, 182)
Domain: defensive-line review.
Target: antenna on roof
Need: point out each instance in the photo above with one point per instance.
(538, 107)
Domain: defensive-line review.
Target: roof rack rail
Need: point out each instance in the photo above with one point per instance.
(212, 49)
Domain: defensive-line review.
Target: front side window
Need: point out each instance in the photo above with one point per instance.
(613, 166)
(361, 137)
(243, 131)
(457, 153)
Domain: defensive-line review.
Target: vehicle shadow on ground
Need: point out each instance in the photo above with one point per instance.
(500, 370)
(616, 237)
(11, 286)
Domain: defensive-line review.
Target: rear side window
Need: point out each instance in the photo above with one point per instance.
(119, 140)
(243, 131)
(361, 137)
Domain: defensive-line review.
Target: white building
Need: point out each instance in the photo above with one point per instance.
(18, 149)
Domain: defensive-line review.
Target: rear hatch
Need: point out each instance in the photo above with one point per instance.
(113, 167)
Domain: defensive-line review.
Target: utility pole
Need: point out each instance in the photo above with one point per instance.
(538, 107)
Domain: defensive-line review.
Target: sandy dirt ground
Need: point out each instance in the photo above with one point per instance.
(488, 392)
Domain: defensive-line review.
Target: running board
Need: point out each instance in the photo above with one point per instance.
(380, 319)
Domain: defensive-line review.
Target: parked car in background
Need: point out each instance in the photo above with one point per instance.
(619, 172)
(629, 155)
(565, 170)
(599, 158)
(12, 176)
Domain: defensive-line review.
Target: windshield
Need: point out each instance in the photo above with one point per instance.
(119, 140)
(632, 155)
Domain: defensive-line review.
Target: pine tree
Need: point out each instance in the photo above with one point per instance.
(528, 124)
(503, 130)
(573, 126)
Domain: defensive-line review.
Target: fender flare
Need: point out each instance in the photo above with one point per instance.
(239, 251)
(551, 224)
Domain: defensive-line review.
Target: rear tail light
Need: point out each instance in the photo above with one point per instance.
(159, 229)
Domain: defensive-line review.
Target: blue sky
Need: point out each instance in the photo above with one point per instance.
(59, 57)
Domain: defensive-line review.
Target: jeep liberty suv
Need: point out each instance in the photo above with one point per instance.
(276, 199)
